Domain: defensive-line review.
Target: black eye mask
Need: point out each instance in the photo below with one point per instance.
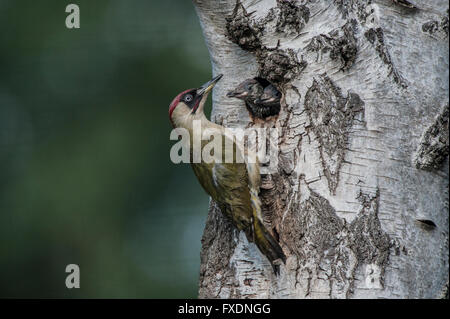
(192, 100)
(189, 99)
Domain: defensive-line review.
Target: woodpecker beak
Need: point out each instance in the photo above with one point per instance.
(205, 88)
(202, 93)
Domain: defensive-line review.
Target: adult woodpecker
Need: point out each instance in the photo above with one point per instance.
(234, 185)
(261, 98)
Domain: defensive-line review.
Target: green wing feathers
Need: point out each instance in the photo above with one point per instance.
(235, 188)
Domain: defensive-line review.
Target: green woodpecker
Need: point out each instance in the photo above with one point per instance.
(234, 185)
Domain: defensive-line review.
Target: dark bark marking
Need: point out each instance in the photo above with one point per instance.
(370, 243)
(312, 222)
(241, 30)
(248, 281)
(427, 224)
(341, 43)
(292, 17)
(362, 10)
(406, 3)
(313, 231)
(354, 7)
(376, 38)
(276, 65)
(444, 293)
(433, 147)
(331, 117)
(368, 240)
(440, 27)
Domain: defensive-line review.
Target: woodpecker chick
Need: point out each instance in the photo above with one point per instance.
(261, 98)
(233, 186)
(248, 91)
(269, 102)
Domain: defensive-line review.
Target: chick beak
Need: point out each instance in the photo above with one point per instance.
(265, 100)
(237, 93)
(231, 94)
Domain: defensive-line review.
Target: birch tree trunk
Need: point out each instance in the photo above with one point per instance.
(359, 201)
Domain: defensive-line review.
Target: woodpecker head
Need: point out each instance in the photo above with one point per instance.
(270, 96)
(249, 90)
(191, 102)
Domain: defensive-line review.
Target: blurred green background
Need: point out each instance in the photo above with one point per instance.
(85, 173)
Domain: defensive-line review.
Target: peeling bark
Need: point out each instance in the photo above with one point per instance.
(376, 38)
(433, 147)
(292, 17)
(370, 243)
(331, 117)
(407, 4)
(359, 200)
(341, 43)
(439, 28)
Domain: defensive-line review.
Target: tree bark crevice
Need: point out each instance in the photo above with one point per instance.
(363, 85)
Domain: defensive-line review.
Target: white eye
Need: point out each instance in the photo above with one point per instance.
(188, 98)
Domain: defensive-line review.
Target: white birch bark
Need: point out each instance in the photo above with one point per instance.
(360, 198)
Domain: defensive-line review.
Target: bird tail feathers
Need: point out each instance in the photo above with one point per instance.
(263, 239)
